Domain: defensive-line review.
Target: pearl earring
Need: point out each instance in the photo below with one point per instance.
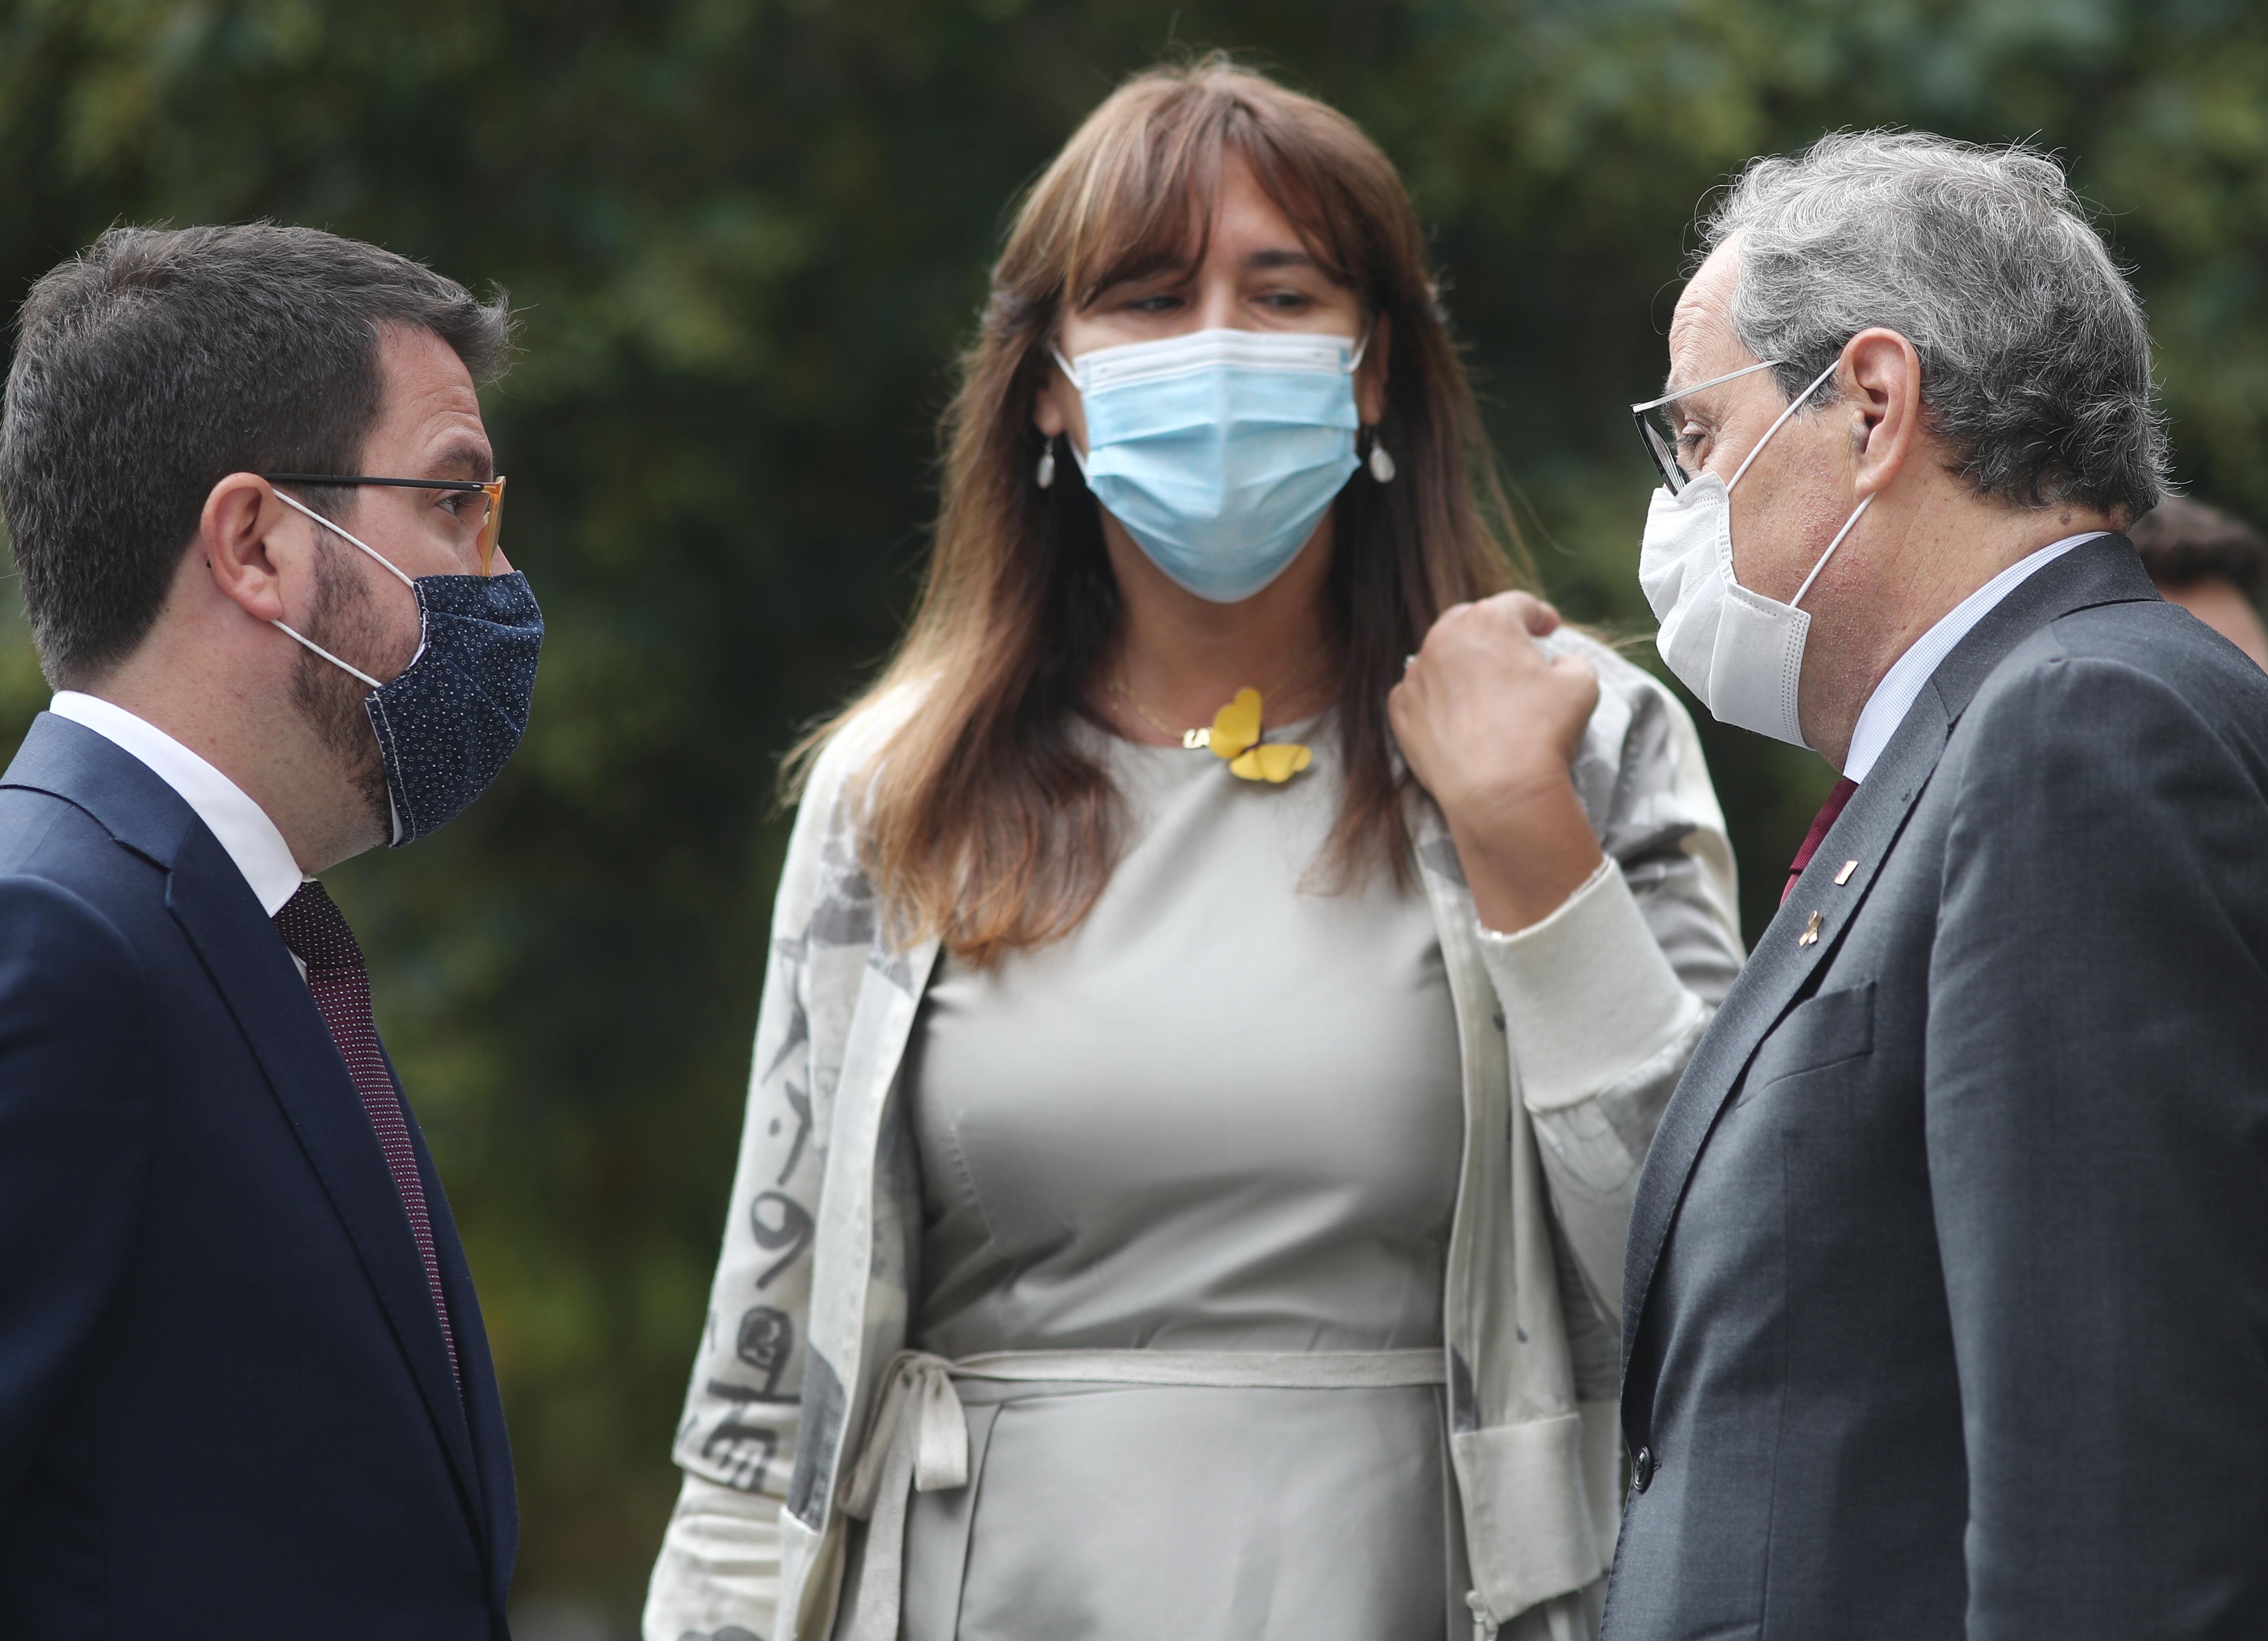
(1382, 465)
(1046, 475)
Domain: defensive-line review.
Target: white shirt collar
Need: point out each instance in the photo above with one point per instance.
(1893, 697)
(241, 825)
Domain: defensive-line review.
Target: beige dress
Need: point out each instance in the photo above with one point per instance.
(1223, 1116)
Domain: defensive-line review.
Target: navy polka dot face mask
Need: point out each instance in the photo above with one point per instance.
(448, 723)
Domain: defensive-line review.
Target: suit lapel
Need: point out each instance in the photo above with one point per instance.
(1776, 971)
(483, 1405)
(2104, 571)
(249, 966)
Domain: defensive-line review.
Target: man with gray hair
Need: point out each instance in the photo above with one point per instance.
(1946, 1288)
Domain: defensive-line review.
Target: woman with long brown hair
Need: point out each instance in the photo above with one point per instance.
(1224, 977)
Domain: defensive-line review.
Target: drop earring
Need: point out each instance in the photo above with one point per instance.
(1382, 465)
(1046, 475)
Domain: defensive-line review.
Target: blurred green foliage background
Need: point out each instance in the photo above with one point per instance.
(749, 236)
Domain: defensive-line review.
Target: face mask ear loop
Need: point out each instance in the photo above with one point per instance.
(328, 656)
(293, 501)
(1856, 513)
(1064, 365)
(1793, 405)
(1354, 360)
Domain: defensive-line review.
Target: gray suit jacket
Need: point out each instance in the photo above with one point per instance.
(1948, 1278)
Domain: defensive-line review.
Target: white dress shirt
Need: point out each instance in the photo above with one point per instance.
(1893, 697)
(241, 825)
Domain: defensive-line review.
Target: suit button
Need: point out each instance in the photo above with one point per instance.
(1641, 1469)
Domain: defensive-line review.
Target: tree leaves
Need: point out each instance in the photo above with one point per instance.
(748, 238)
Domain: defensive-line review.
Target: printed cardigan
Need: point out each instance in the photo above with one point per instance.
(1573, 1033)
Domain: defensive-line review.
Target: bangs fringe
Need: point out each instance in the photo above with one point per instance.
(1143, 201)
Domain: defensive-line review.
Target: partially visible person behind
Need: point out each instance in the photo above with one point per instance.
(1190, 1147)
(2213, 565)
(245, 1392)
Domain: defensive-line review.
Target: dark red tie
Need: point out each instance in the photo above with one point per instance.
(1812, 839)
(312, 927)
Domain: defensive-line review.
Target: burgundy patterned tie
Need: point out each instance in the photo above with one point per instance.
(312, 927)
(1828, 812)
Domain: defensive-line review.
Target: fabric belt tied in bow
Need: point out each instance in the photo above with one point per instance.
(919, 1439)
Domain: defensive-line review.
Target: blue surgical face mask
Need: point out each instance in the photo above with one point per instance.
(1220, 451)
(448, 722)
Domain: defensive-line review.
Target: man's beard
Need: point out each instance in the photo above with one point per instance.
(344, 622)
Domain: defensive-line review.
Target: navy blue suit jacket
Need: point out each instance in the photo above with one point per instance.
(226, 1406)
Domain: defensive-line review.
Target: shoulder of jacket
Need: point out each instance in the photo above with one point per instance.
(2166, 643)
(2082, 682)
(30, 816)
(859, 740)
(1639, 739)
(53, 835)
(823, 843)
(1619, 676)
(75, 948)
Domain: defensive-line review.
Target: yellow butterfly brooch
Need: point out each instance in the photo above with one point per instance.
(1234, 738)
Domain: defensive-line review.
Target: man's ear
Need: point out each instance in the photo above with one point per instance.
(243, 535)
(1880, 378)
(1370, 375)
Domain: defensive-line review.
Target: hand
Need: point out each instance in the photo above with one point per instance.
(1490, 724)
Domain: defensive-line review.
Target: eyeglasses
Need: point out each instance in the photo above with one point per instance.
(1660, 435)
(490, 491)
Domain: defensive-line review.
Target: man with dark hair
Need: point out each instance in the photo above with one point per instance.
(1946, 1298)
(2210, 564)
(244, 1387)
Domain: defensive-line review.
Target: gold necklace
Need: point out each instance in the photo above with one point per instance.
(1233, 737)
(1191, 739)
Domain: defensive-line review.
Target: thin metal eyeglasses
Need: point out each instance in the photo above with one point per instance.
(491, 519)
(1660, 436)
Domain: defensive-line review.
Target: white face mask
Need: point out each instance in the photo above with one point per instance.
(1740, 651)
